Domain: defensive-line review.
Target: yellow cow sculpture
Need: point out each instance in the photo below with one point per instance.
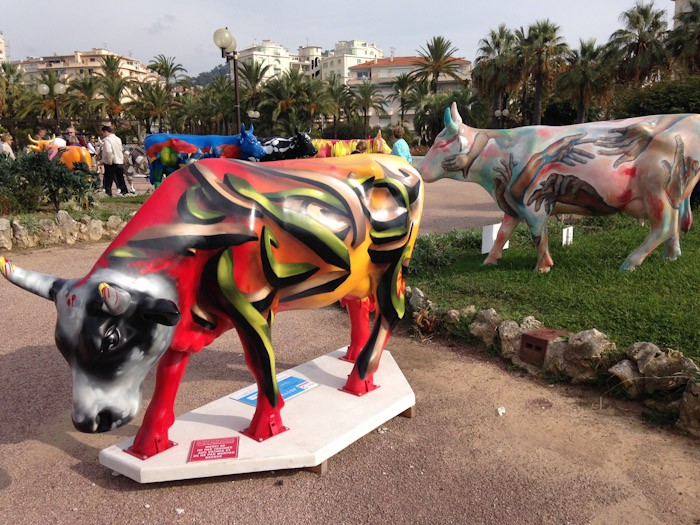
(68, 155)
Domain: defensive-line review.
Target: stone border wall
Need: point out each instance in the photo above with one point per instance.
(63, 230)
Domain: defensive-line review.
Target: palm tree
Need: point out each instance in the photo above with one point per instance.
(316, 101)
(219, 103)
(167, 69)
(252, 78)
(401, 87)
(152, 102)
(684, 39)
(545, 51)
(284, 99)
(187, 114)
(83, 98)
(437, 59)
(114, 89)
(418, 99)
(10, 88)
(111, 66)
(340, 101)
(585, 76)
(368, 97)
(639, 48)
(493, 71)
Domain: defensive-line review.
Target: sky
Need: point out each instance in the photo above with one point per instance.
(183, 29)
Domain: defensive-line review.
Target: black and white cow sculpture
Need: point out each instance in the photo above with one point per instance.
(285, 148)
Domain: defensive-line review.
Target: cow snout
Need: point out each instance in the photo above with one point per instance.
(102, 422)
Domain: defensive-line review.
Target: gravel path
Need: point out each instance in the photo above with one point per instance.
(556, 456)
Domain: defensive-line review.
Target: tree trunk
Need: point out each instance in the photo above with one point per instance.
(537, 112)
(496, 105)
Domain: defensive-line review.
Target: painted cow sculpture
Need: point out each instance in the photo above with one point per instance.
(169, 152)
(340, 148)
(68, 155)
(645, 167)
(300, 146)
(225, 244)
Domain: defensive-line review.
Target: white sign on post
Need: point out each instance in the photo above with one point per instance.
(488, 237)
(567, 236)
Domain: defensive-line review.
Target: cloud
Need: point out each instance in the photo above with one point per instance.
(161, 25)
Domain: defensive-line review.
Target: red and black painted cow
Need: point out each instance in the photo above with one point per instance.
(225, 244)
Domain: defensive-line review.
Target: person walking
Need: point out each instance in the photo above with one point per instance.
(113, 159)
(6, 149)
(400, 147)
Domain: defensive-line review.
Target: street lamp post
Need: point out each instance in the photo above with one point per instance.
(253, 114)
(58, 89)
(500, 114)
(223, 39)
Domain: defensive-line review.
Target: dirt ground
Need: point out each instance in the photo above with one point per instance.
(556, 456)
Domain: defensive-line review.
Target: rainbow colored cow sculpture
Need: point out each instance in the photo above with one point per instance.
(168, 152)
(340, 148)
(645, 167)
(225, 244)
(68, 155)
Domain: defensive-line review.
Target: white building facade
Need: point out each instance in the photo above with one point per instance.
(4, 54)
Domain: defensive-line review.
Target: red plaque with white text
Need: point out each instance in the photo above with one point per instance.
(219, 448)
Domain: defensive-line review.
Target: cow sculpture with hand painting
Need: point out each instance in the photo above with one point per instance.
(645, 167)
(225, 244)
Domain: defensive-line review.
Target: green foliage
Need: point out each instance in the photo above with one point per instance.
(584, 289)
(667, 96)
(33, 180)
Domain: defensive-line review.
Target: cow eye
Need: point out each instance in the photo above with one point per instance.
(110, 339)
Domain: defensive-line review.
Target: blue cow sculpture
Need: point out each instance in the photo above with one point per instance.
(168, 152)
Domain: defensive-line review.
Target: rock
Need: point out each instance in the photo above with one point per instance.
(663, 369)
(689, 418)
(509, 333)
(67, 226)
(114, 225)
(669, 407)
(22, 237)
(530, 323)
(49, 233)
(5, 235)
(95, 230)
(418, 300)
(632, 381)
(485, 326)
(467, 312)
(452, 316)
(578, 358)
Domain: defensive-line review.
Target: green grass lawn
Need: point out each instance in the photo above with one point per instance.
(585, 289)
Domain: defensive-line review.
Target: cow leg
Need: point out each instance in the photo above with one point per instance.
(540, 236)
(672, 248)
(389, 298)
(360, 381)
(507, 228)
(267, 420)
(152, 437)
(358, 310)
(663, 226)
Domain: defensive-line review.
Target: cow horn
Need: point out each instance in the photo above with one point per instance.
(41, 284)
(116, 300)
(31, 139)
(450, 125)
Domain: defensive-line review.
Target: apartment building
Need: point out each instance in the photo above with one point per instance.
(383, 72)
(310, 60)
(80, 63)
(4, 53)
(680, 7)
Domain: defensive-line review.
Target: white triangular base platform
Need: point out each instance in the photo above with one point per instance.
(322, 421)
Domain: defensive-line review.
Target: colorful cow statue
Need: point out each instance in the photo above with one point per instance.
(299, 146)
(645, 167)
(168, 152)
(340, 148)
(225, 244)
(68, 155)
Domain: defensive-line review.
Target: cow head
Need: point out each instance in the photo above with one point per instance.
(303, 146)
(250, 146)
(111, 328)
(452, 141)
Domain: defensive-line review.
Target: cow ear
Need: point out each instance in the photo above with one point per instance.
(161, 311)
